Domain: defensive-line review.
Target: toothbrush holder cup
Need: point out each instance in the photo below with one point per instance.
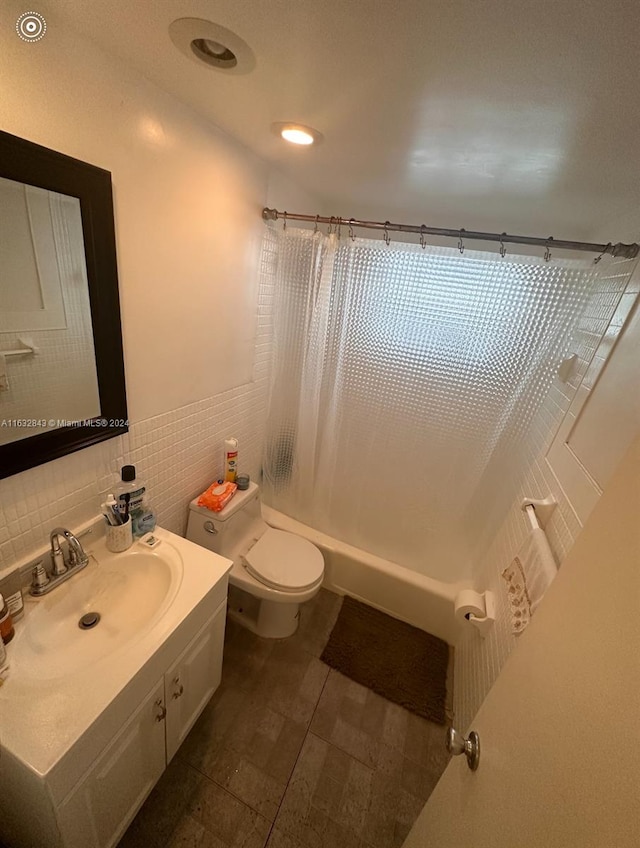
(119, 538)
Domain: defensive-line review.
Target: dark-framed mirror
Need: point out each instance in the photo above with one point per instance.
(62, 385)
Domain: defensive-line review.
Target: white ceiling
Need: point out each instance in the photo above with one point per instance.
(518, 116)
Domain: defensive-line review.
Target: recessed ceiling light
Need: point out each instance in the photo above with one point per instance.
(296, 136)
(297, 133)
(213, 45)
(214, 53)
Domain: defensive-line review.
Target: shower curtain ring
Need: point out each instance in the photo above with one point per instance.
(352, 235)
(339, 230)
(330, 230)
(387, 239)
(503, 249)
(315, 229)
(607, 248)
(284, 221)
(547, 252)
(460, 242)
(423, 240)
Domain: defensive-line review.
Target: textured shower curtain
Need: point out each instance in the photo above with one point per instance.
(397, 372)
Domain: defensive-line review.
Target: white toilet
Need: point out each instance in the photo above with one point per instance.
(273, 571)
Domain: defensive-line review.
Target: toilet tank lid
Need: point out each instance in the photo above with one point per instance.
(238, 501)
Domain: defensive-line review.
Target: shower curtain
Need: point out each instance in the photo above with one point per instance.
(396, 374)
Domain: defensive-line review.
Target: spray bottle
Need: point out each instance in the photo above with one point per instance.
(230, 460)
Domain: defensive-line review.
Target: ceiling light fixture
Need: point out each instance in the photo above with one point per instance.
(296, 136)
(214, 53)
(297, 133)
(212, 45)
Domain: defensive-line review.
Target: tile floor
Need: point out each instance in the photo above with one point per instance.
(291, 754)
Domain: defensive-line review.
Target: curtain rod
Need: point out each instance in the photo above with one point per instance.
(627, 251)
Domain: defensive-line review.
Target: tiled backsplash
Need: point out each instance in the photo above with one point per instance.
(177, 454)
(478, 661)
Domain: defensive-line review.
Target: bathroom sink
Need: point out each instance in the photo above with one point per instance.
(129, 592)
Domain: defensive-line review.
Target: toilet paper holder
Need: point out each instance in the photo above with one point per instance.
(479, 609)
(483, 623)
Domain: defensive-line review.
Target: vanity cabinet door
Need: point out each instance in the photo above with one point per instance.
(192, 680)
(102, 806)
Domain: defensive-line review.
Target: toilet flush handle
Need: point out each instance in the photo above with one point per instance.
(210, 527)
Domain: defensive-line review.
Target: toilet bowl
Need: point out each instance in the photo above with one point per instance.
(273, 571)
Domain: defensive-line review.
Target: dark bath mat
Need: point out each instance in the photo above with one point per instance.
(398, 661)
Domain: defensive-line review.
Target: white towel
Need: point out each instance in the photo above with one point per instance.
(528, 578)
(4, 380)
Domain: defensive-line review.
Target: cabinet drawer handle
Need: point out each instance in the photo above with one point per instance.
(178, 693)
(163, 710)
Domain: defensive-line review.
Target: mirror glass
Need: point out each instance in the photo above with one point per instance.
(61, 365)
(45, 312)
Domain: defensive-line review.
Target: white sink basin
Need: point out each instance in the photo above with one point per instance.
(130, 591)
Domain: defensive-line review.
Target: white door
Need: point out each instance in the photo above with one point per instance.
(560, 730)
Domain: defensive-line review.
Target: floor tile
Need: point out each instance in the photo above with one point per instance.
(163, 809)
(225, 818)
(249, 736)
(289, 679)
(245, 746)
(293, 752)
(291, 682)
(327, 798)
(317, 618)
(362, 723)
(186, 810)
(334, 799)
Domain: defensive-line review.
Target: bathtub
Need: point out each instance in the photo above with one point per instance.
(415, 598)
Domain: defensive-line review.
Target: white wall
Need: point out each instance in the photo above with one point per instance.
(187, 202)
(188, 229)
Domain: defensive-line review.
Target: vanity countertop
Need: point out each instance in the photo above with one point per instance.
(43, 717)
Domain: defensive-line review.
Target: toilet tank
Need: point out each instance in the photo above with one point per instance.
(230, 531)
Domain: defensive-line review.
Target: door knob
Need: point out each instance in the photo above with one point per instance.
(470, 747)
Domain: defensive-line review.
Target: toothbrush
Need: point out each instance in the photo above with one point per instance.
(109, 516)
(113, 506)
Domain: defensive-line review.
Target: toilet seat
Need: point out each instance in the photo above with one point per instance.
(285, 561)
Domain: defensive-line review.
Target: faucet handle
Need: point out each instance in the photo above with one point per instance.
(57, 558)
(39, 576)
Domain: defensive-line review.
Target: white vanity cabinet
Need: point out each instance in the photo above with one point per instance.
(101, 807)
(79, 758)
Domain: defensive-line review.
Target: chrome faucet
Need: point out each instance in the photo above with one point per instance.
(77, 555)
(42, 581)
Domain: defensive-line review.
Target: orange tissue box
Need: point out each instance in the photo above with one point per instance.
(217, 496)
